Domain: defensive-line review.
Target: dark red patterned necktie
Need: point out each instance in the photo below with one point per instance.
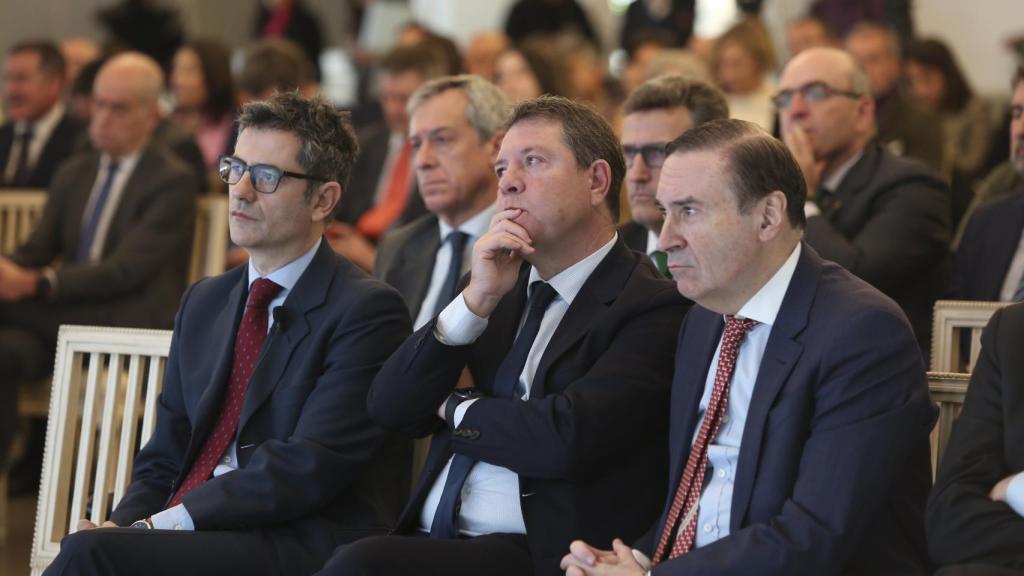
(688, 494)
(252, 331)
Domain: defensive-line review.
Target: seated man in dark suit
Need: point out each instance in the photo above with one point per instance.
(39, 133)
(568, 336)
(264, 458)
(383, 191)
(976, 509)
(800, 413)
(886, 219)
(989, 263)
(112, 244)
(656, 113)
(456, 125)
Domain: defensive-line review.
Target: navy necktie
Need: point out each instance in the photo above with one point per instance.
(88, 235)
(445, 524)
(21, 172)
(458, 240)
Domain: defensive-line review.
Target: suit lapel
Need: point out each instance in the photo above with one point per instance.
(6, 143)
(780, 356)
(855, 180)
(131, 195)
(417, 264)
(309, 293)
(1007, 227)
(596, 294)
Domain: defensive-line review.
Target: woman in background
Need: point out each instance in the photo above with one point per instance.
(742, 60)
(204, 95)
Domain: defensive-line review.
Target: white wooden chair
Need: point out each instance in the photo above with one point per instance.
(102, 410)
(949, 319)
(210, 239)
(19, 210)
(948, 390)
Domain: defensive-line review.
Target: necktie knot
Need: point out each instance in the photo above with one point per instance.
(541, 295)
(458, 238)
(738, 327)
(262, 292)
(26, 134)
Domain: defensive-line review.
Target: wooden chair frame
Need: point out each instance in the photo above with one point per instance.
(950, 317)
(948, 390)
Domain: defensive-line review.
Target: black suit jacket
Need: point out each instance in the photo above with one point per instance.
(987, 445)
(359, 195)
(833, 468)
(601, 389)
(989, 243)
(405, 259)
(634, 235)
(60, 145)
(310, 463)
(889, 224)
(144, 266)
(909, 130)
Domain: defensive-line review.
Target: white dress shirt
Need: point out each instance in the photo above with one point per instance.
(125, 167)
(724, 450)
(490, 496)
(1015, 494)
(41, 132)
(1015, 273)
(177, 517)
(475, 227)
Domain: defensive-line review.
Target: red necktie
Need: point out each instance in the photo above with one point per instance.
(252, 331)
(376, 220)
(688, 494)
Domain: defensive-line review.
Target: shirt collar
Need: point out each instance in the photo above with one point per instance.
(125, 164)
(475, 226)
(764, 306)
(652, 242)
(288, 275)
(833, 181)
(42, 128)
(568, 282)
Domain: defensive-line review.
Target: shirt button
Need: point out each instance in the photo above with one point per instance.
(227, 459)
(179, 527)
(708, 528)
(725, 419)
(721, 473)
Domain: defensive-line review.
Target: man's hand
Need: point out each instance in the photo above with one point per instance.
(86, 524)
(16, 283)
(800, 145)
(998, 493)
(585, 560)
(345, 240)
(496, 260)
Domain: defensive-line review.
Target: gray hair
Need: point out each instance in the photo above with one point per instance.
(487, 109)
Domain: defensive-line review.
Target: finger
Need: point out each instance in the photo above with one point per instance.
(575, 571)
(499, 244)
(108, 524)
(85, 524)
(506, 214)
(510, 227)
(583, 552)
(625, 553)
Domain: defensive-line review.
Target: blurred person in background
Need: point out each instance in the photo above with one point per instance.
(204, 95)
(530, 69)
(742, 60)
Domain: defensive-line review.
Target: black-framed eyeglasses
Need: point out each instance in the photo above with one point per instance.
(653, 154)
(811, 92)
(264, 177)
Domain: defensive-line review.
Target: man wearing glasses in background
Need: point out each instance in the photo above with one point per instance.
(264, 458)
(884, 218)
(656, 113)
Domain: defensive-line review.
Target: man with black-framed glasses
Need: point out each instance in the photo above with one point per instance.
(884, 218)
(656, 113)
(264, 458)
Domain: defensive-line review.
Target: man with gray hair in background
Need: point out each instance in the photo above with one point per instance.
(656, 113)
(455, 128)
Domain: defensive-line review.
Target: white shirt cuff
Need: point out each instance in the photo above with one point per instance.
(460, 411)
(457, 325)
(811, 209)
(642, 559)
(174, 518)
(1015, 494)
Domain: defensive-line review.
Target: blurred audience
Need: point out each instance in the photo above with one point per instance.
(204, 96)
(292, 20)
(482, 52)
(904, 127)
(530, 69)
(807, 33)
(669, 22)
(939, 85)
(548, 17)
(153, 27)
(742, 61)
(77, 52)
(39, 133)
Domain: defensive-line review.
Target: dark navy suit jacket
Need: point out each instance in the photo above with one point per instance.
(989, 243)
(311, 464)
(601, 388)
(833, 468)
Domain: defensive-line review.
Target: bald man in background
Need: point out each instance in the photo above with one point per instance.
(112, 244)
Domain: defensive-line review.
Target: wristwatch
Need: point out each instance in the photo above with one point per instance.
(145, 524)
(458, 396)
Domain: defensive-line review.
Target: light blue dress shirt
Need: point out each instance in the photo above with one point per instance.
(723, 452)
(490, 496)
(1015, 494)
(177, 517)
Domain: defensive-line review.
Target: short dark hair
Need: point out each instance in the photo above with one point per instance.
(215, 63)
(329, 146)
(277, 64)
(51, 61)
(757, 163)
(934, 54)
(703, 101)
(420, 58)
(585, 132)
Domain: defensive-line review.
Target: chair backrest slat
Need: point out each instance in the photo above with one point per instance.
(948, 390)
(950, 318)
(20, 209)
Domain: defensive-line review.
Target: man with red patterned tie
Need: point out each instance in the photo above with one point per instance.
(264, 458)
(800, 414)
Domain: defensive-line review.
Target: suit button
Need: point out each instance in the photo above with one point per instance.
(474, 435)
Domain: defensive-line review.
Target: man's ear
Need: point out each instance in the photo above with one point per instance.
(325, 200)
(600, 182)
(772, 215)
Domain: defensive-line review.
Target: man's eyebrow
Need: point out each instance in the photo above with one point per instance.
(687, 201)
